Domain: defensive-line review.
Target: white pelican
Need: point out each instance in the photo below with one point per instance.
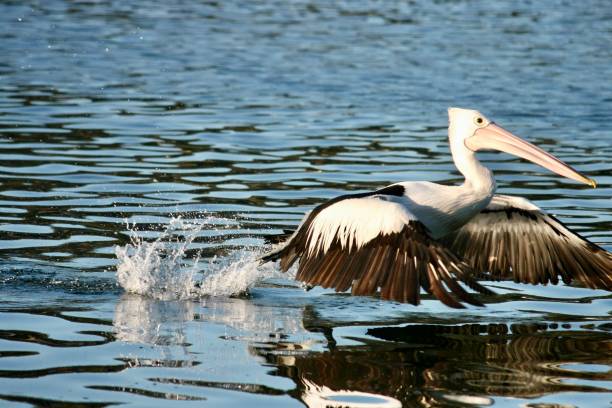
(417, 234)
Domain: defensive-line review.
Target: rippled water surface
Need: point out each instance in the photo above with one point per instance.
(121, 120)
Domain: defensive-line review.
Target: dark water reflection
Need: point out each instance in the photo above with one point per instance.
(246, 114)
(436, 364)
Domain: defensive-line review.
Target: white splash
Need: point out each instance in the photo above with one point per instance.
(162, 269)
(159, 268)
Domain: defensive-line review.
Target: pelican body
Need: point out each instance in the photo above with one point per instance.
(414, 235)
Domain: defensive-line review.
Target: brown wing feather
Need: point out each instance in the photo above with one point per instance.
(529, 246)
(398, 263)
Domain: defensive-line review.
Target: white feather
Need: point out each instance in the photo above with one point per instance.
(356, 221)
(443, 209)
(499, 202)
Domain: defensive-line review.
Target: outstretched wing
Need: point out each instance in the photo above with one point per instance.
(371, 241)
(512, 238)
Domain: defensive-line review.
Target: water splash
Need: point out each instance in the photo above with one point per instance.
(235, 273)
(159, 268)
(162, 268)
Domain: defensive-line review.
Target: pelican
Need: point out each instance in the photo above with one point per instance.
(418, 234)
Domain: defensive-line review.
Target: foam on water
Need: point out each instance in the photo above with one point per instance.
(162, 268)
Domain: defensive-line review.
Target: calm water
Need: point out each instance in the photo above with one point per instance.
(240, 116)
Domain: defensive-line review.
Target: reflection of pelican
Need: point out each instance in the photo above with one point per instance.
(416, 364)
(414, 235)
(424, 365)
(315, 396)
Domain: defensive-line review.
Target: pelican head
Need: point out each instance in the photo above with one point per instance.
(475, 132)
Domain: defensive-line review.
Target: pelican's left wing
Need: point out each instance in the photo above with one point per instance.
(371, 241)
(512, 238)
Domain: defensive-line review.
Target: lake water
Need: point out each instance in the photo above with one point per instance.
(209, 125)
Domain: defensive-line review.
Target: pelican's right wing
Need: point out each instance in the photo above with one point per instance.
(371, 241)
(512, 238)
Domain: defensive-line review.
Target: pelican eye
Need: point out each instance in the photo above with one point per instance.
(479, 121)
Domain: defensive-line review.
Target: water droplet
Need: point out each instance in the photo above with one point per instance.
(162, 269)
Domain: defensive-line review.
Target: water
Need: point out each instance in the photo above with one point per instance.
(223, 122)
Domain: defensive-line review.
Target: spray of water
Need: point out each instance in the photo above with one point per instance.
(162, 269)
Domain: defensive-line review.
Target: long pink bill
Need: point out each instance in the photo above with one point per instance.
(496, 137)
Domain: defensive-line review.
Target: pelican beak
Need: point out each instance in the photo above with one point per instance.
(495, 137)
